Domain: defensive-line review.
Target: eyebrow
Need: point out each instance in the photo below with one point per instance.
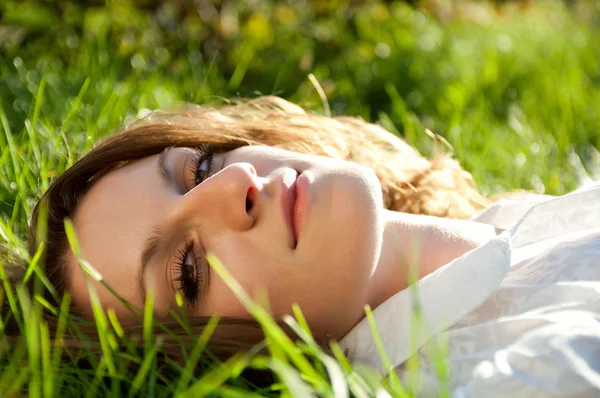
(151, 244)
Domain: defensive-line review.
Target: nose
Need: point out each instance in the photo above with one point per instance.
(228, 199)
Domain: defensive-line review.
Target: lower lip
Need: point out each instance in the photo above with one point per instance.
(301, 206)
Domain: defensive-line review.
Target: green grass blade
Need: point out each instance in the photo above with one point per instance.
(214, 378)
(149, 360)
(199, 347)
(392, 376)
(104, 333)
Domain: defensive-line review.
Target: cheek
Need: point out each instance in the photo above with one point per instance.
(347, 237)
(254, 268)
(347, 224)
(220, 300)
(272, 282)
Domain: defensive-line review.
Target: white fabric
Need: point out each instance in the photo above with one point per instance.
(519, 315)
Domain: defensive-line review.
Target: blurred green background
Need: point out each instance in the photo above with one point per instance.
(513, 86)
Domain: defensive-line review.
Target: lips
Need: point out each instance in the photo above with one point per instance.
(288, 205)
(302, 202)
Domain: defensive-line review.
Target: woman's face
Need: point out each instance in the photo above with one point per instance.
(304, 229)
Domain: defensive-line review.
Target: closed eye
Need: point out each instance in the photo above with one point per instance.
(188, 272)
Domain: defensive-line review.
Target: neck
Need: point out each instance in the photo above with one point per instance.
(415, 245)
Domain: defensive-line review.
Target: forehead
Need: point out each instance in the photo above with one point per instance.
(112, 222)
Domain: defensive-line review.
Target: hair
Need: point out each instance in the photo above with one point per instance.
(410, 182)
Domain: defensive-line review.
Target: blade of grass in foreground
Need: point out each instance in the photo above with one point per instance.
(392, 376)
(12, 299)
(269, 325)
(75, 105)
(60, 329)
(101, 323)
(336, 375)
(358, 387)
(91, 391)
(48, 371)
(212, 379)
(34, 268)
(292, 379)
(14, 375)
(10, 141)
(32, 340)
(148, 321)
(199, 347)
(147, 364)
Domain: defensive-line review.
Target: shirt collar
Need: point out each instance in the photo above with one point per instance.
(442, 297)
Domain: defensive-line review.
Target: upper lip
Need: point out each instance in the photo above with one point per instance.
(288, 203)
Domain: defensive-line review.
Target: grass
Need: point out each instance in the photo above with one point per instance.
(515, 90)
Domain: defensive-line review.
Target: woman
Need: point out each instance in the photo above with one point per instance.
(311, 210)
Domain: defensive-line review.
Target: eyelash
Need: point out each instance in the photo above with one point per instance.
(201, 154)
(188, 287)
(189, 284)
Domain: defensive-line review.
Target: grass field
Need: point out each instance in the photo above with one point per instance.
(514, 89)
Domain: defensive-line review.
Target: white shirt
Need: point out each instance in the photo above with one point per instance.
(519, 315)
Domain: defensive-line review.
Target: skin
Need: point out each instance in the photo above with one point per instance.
(350, 251)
